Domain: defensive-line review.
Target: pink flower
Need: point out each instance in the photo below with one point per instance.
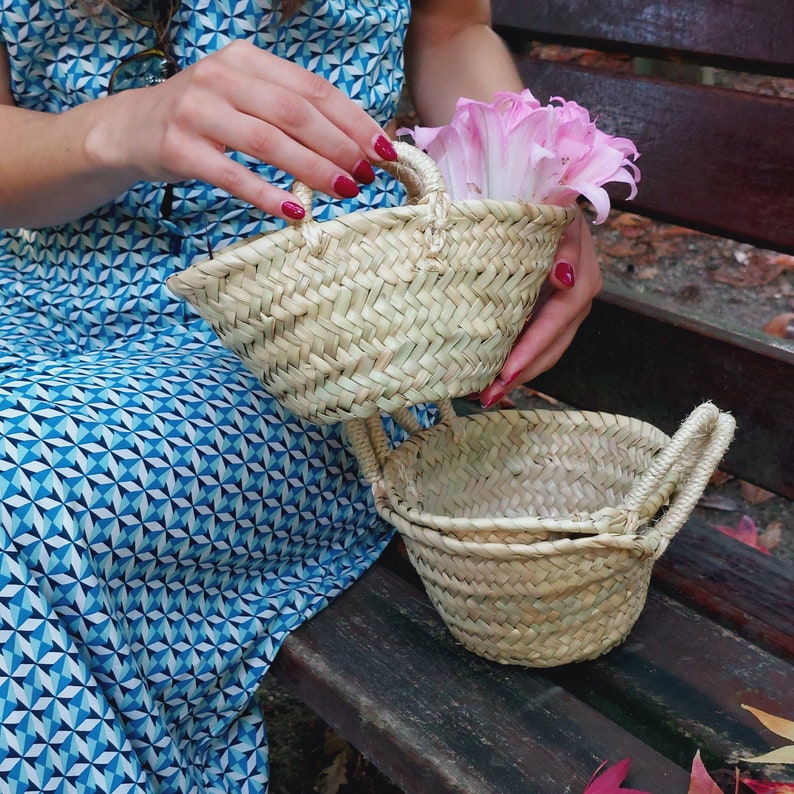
(514, 148)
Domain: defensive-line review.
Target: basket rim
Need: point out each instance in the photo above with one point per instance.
(228, 260)
(641, 546)
(574, 522)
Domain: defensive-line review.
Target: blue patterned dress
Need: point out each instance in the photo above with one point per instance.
(164, 523)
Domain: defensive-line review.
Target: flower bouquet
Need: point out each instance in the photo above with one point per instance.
(515, 149)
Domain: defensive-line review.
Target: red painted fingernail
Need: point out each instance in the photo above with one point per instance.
(345, 187)
(384, 149)
(508, 381)
(493, 399)
(293, 210)
(565, 273)
(363, 173)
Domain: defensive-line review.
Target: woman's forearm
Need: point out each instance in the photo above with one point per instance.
(49, 173)
(452, 52)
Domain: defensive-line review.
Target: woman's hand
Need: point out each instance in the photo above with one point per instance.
(576, 279)
(244, 99)
(59, 166)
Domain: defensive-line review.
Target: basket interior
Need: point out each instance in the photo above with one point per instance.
(549, 464)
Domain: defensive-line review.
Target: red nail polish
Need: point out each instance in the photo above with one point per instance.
(293, 210)
(493, 399)
(508, 381)
(565, 273)
(345, 187)
(363, 173)
(384, 149)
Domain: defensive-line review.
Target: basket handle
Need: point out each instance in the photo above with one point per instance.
(371, 445)
(693, 454)
(422, 179)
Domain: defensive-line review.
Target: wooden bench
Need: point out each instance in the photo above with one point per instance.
(718, 629)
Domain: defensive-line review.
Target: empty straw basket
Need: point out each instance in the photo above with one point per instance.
(535, 532)
(381, 309)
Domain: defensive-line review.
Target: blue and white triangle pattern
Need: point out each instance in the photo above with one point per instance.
(170, 523)
(164, 523)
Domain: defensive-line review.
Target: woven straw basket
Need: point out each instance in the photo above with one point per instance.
(377, 310)
(535, 532)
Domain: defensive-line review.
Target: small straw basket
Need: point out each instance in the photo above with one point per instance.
(377, 310)
(535, 532)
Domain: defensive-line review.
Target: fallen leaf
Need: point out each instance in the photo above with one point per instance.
(720, 477)
(755, 495)
(608, 781)
(700, 781)
(746, 532)
(780, 726)
(631, 225)
(717, 501)
(541, 396)
(762, 787)
(755, 268)
(619, 250)
(770, 537)
(334, 775)
(781, 325)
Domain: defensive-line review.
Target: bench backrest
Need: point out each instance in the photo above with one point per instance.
(713, 159)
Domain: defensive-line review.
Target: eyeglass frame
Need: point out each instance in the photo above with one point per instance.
(160, 23)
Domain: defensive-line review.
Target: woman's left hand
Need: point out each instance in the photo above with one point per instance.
(576, 279)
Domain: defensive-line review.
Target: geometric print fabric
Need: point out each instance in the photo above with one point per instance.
(120, 579)
(164, 522)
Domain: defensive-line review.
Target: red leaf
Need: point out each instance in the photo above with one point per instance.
(609, 781)
(761, 787)
(746, 532)
(700, 781)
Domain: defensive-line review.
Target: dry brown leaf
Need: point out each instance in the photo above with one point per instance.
(782, 325)
(755, 495)
(619, 250)
(718, 502)
(540, 395)
(755, 269)
(720, 477)
(631, 225)
(771, 536)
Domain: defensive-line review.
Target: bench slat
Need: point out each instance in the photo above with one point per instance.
(632, 356)
(732, 30)
(380, 667)
(731, 583)
(679, 682)
(690, 175)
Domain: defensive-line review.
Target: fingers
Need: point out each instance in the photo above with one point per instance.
(354, 124)
(546, 337)
(247, 100)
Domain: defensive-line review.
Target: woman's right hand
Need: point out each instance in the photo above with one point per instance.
(245, 99)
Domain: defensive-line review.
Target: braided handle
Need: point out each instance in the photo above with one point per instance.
(371, 445)
(692, 455)
(421, 178)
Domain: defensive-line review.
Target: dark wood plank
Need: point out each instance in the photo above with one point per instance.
(380, 667)
(732, 31)
(703, 162)
(635, 357)
(733, 584)
(679, 682)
